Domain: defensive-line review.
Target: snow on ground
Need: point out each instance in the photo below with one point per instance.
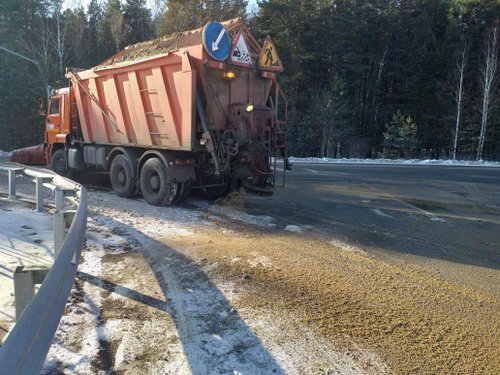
(234, 214)
(293, 228)
(188, 327)
(458, 163)
(26, 238)
(5, 153)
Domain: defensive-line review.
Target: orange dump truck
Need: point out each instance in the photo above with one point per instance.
(193, 110)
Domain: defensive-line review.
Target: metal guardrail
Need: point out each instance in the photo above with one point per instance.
(28, 343)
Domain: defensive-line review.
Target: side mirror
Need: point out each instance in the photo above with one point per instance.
(41, 109)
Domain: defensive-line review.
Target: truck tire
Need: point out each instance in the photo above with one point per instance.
(155, 187)
(122, 177)
(59, 163)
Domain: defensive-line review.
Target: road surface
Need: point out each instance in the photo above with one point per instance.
(412, 212)
(352, 269)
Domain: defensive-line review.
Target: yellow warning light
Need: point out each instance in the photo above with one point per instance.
(229, 75)
(249, 108)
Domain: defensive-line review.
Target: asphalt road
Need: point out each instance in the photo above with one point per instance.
(444, 217)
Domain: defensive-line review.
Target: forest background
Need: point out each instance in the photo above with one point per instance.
(364, 78)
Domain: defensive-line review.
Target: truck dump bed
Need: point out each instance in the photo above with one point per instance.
(146, 94)
(147, 101)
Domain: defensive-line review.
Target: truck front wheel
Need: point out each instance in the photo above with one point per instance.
(122, 177)
(155, 187)
(59, 163)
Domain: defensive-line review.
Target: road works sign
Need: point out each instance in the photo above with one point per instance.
(240, 53)
(216, 41)
(268, 58)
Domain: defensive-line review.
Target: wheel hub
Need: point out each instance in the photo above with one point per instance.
(154, 182)
(121, 177)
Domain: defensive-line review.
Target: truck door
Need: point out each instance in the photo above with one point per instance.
(53, 122)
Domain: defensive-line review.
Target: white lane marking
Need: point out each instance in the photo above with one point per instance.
(424, 212)
(380, 213)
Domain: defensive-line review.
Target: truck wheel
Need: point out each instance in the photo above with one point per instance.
(59, 163)
(155, 188)
(122, 177)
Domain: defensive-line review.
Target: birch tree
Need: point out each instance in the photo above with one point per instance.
(37, 46)
(60, 33)
(488, 75)
(115, 23)
(158, 8)
(459, 95)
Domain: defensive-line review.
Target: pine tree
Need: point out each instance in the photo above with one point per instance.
(93, 43)
(183, 15)
(400, 137)
(113, 27)
(137, 19)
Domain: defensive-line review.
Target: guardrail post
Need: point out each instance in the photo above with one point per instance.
(61, 217)
(39, 192)
(25, 279)
(12, 184)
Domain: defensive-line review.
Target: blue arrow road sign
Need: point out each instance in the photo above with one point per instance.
(216, 41)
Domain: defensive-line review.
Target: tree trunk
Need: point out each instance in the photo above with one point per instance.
(488, 78)
(461, 69)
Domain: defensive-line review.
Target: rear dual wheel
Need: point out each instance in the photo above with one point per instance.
(122, 177)
(155, 187)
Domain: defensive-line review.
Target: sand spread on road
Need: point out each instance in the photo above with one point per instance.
(416, 321)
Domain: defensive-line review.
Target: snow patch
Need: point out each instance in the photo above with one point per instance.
(259, 260)
(66, 351)
(5, 153)
(438, 219)
(458, 163)
(233, 214)
(346, 246)
(26, 238)
(294, 228)
(381, 213)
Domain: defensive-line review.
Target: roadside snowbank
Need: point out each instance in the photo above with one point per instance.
(458, 163)
(5, 153)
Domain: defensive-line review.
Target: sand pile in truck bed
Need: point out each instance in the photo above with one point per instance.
(169, 43)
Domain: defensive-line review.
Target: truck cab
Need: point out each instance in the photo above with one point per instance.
(57, 128)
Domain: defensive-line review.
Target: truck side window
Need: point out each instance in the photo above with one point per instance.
(54, 107)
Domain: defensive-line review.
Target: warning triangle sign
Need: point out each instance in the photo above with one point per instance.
(268, 58)
(240, 53)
